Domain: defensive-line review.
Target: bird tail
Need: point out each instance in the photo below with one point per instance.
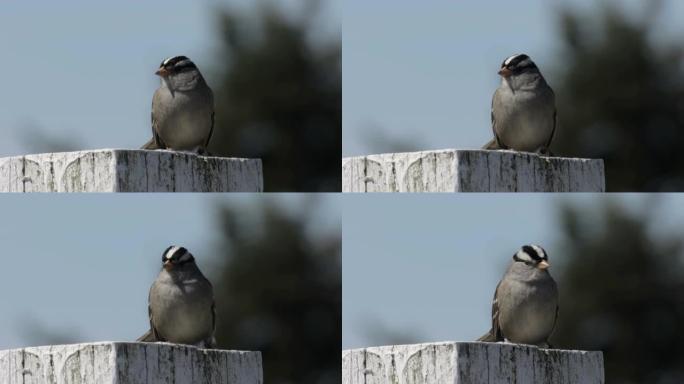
(488, 337)
(148, 337)
(209, 343)
(492, 145)
(152, 144)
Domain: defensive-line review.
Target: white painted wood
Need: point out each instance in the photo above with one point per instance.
(128, 363)
(457, 170)
(123, 170)
(470, 363)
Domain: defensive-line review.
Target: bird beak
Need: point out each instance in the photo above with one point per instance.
(505, 72)
(543, 265)
(168, 265)
(162, 72)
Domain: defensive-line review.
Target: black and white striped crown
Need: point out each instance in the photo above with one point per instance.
(531, 254)
(176, 254)
(518, 62)
(177, 63)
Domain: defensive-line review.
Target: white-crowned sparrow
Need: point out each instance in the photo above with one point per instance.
(523, 108)
(181, 302)
(182, 108)
(525, 306)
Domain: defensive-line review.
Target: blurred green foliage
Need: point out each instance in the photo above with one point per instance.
(622, 291)
(621, 97)
(279, 291)
(279, 97)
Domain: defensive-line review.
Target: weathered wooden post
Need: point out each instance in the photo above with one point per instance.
(470, 363)
(123, 170)
(457, 170)
(128, 363)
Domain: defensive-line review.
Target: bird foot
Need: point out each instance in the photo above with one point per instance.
(544, 151)
(202, 151)
(207, 344)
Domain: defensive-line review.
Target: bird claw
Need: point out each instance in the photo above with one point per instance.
(206, 344)
(202, 151)
(544, 151)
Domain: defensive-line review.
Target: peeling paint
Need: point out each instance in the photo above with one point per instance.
(129, 363)
(452, 170)
(118, 170)
(470, 363)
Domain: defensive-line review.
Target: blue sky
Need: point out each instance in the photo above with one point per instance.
(422, 71)
(82, 265)
(85, 70)
(425, 71)
(425, 267)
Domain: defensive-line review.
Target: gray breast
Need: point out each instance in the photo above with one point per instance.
(527, 309)
(524, 120)
(185, 122)
(182, 313)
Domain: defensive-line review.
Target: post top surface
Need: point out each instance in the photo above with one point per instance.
(471, 170)
(129, 170)
(131, 151)
(128, 344)
(504, 152)
(512, 346)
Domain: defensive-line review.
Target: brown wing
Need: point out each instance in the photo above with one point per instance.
(155, 121)
(555, 124)
(154, 142)
(212, 339)
(213, 307)
(157, 336)
(151, 335)
(495, 316)
(211, 130)
(548, 343)
(496, 142)
(494, 333)
(213, 115)
(555, 118)
(213, 324)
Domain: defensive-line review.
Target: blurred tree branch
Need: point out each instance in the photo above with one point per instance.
(279, 98)
(622, 292)
(279, 291)
(621, 97)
